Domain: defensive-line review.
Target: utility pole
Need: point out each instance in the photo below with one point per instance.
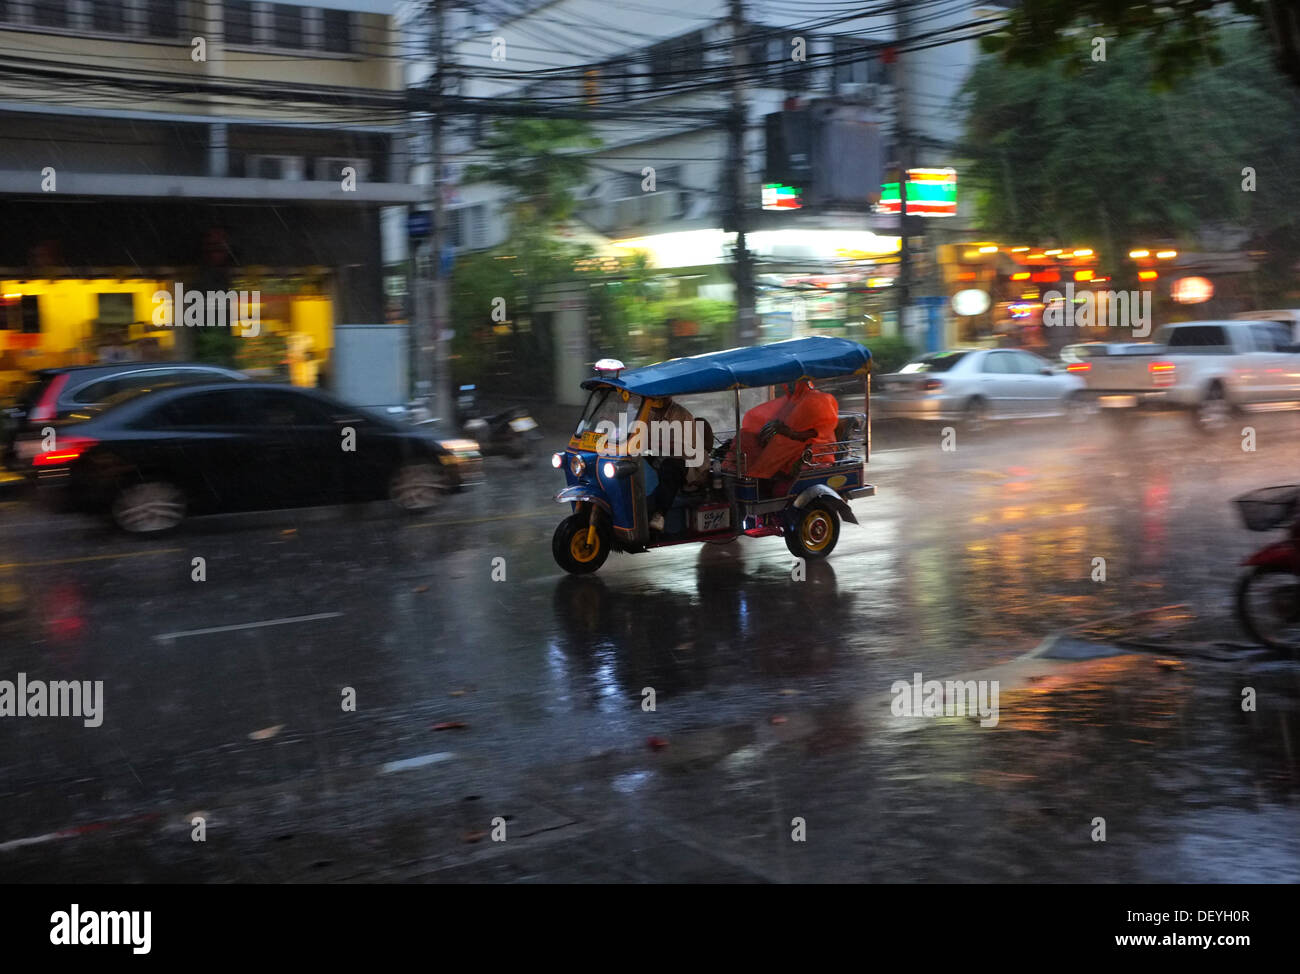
(433, 374)
(742, 267)
(902, 138)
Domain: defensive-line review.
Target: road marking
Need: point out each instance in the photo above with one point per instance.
(288, 620)
(416, 762)
(548, 512)
(34, 840)
(74, 561)
(74, 831)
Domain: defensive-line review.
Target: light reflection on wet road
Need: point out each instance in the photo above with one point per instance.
(772, 694)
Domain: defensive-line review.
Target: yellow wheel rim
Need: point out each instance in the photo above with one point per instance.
(578, 547)
(816, 531)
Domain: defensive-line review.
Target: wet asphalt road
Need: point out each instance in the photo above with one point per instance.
(520, 700)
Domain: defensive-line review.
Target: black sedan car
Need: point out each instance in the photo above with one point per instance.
(54, 397)
(152, 458)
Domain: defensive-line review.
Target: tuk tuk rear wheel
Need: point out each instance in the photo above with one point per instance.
(812, 532)
(569, 544)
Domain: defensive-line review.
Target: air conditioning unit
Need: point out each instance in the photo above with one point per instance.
(662, 206)
(864, 91)
(330, 168)
(647, 209)
(274, 167)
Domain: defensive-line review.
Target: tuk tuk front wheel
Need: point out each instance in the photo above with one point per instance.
(570, 545)
(812, 532)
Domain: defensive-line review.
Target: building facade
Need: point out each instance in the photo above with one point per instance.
(217, 146)
(657, 91)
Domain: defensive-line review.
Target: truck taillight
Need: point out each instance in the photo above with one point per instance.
(1162, 373)
(69, 449)
(1079, 367)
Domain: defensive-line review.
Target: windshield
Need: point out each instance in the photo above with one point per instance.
(605, 405)
(1201, 338)
(162, 382)
(934, 362)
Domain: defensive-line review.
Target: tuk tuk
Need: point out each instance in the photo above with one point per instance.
(662, 426)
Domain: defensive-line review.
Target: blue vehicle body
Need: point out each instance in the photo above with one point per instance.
(745, 368)
(608, 482)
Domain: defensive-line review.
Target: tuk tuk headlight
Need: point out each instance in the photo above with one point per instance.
(557, 460)
(617, 469)
(577, 466)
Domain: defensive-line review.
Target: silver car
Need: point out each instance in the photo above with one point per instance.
(972, 385)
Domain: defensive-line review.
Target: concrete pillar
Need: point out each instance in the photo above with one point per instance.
(568, 302)
(218, 151)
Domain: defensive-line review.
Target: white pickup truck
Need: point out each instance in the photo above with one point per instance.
(1208, 368)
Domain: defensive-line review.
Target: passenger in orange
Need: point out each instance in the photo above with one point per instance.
(774, 434)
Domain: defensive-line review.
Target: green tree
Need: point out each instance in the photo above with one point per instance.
(618, 303)
(218, 346)
(1096, 157)
(1183, 35)
(540, 162)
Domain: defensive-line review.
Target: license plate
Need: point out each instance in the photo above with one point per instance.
(712, 519)
(1117, 402)
(523, 424)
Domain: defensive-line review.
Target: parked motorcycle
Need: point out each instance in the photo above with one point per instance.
(512, 432)
(1268, 592)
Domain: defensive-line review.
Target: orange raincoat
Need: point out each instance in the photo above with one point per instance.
(805, 409)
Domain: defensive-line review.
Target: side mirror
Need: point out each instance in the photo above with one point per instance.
(1047, 370)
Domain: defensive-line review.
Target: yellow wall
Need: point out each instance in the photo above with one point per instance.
(314, 317)
(69, 309)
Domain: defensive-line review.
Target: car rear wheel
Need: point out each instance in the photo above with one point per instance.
(418, 486)
(1213, 411)
(976, 414)
(149, 508)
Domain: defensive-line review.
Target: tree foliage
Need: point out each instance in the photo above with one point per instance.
(538, 161)
(1096, 158)
(1183, 35)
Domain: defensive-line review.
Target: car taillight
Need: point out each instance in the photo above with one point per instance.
(1079, 367)
(47, 406)
(68, 450)
(929, 385)
(1162, 373)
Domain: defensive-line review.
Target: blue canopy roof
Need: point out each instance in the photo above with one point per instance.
(762, 365)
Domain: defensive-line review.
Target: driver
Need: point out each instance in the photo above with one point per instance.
(672, 470)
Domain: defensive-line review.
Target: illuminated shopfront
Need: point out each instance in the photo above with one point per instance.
(59, 321)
